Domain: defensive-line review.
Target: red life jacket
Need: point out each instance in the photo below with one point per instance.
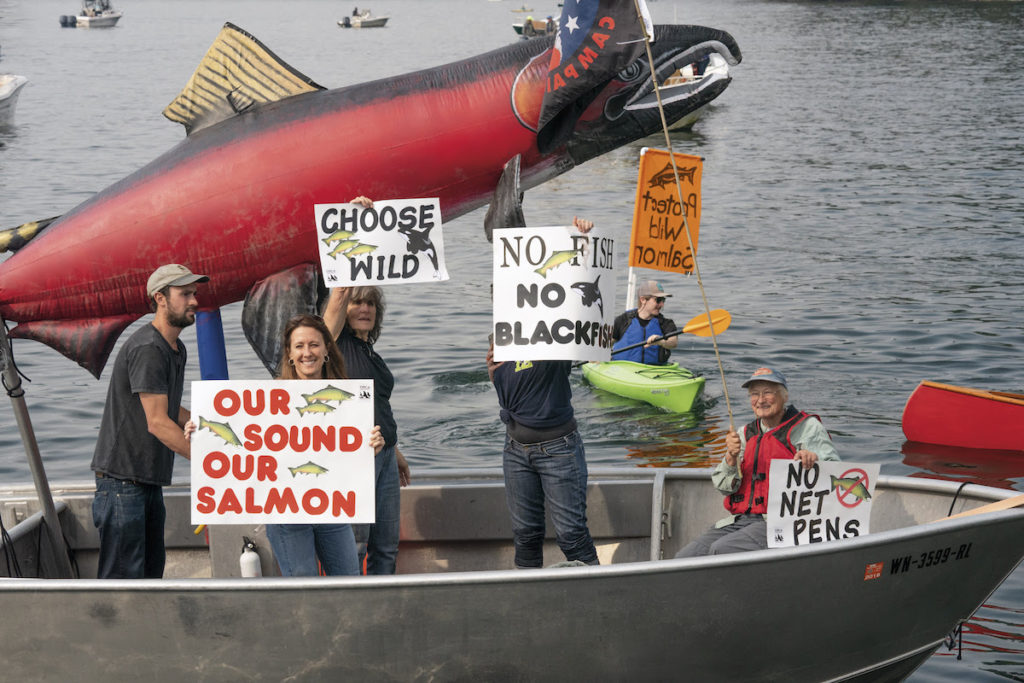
(762, 447)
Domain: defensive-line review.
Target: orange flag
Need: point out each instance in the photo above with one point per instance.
(659, 239)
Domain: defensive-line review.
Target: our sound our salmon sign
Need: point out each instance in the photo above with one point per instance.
(554, 294)
(392, 242)
(282, 452)
(828, 502)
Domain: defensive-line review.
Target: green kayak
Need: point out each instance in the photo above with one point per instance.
(667, 386)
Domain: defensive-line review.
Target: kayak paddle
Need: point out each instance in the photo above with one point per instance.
(720, 321)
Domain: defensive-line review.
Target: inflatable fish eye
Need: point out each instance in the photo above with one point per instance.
(632, 72)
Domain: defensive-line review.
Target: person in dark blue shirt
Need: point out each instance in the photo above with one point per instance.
(543, 460)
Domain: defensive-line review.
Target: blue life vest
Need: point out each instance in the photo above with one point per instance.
(635, 334)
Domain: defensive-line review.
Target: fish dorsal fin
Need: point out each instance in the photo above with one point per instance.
(88, 342)
(237, 72)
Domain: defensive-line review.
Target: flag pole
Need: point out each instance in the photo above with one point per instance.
(679, 190)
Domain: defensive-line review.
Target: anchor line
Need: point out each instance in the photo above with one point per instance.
(686, 231)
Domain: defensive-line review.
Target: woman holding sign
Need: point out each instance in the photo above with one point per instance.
(309, 352)
(777, 431)
(355, 315)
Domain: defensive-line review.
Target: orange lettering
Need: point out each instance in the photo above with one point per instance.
(229, 503)
(346, 504)
(205, 497)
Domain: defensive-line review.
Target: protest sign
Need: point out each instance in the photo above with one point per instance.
(392, 242)
(554, 294)
(660, 220)
(292, 451)
(828, 502)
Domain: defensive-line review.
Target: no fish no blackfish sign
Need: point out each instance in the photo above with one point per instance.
(282, 452)
(828, 502)
(554, 294)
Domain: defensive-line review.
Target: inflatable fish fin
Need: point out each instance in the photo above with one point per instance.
(14, 239)
(87, 341)
(271, 302)
(506, 208)
(236, 73)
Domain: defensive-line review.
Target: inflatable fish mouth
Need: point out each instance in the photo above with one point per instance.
(673, 52)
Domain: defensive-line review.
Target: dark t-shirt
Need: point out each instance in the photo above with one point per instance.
(362, 362)
(146, 364)
(535, 394)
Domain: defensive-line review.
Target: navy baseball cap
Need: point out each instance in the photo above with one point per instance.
(767, 375)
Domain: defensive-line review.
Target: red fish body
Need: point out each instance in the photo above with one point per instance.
(235, 198)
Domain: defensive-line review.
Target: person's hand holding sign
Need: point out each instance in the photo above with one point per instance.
(807, 458)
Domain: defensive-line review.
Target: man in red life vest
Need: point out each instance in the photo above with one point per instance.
(777, 431)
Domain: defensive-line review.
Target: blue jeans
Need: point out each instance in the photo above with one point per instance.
(298, 546)
(552, 472)
(130, 518)
(378, 542)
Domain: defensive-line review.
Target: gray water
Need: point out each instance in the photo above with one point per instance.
(861, 217)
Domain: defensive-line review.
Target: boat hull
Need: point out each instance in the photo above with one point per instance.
(10, 89)
(968, 418)
(105, 20)
(666, 386)
(876, 607)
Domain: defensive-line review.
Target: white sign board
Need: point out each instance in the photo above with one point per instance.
(554, 294)
(392, 242)
(293, 451)
(828, 502)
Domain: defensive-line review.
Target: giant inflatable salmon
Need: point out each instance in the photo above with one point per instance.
(265, 143)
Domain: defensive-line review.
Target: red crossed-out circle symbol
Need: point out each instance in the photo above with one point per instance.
(843, 493)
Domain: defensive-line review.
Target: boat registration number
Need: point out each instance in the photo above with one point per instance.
(931, 558)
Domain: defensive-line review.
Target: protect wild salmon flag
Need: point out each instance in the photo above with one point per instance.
(596, 39)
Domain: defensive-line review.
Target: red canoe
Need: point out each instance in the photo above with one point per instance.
(969, 418)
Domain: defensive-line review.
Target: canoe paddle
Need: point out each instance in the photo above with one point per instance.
(699, 326)
(1004, 504)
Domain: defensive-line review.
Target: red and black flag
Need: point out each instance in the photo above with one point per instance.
(596, 39)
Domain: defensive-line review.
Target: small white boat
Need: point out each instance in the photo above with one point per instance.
(94, 14)
(363, 20)
(10, 85)
(690, 76)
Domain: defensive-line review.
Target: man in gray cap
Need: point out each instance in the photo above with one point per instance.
(645, 323)
(142, 429)
(777, 431)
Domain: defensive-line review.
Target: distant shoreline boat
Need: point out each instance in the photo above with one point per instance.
(363, 20)
(94, 14)
(10, 87)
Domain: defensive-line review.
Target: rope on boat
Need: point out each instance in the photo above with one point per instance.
(686, 225)
(7, 357)
(13, 567)
(955, 497)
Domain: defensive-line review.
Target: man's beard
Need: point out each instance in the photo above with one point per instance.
(180, 320)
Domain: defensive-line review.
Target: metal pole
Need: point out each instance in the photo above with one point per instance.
(12, 382)
(213, 357)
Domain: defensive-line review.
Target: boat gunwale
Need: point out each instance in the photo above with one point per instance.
(984, 394)
(504, 576)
